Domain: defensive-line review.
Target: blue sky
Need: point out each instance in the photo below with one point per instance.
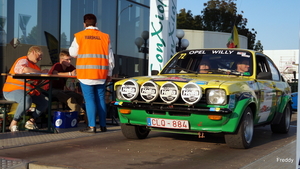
(277, 22)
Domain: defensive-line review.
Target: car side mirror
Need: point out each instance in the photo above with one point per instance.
(154, 72)
(264, 75)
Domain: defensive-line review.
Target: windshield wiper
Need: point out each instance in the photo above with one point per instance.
(180, 68)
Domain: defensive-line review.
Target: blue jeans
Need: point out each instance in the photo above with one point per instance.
(94, 96)
(40, 101)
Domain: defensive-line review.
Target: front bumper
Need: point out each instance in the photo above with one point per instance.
(171, 108)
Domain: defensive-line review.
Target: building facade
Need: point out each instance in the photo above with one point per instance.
(51, 24)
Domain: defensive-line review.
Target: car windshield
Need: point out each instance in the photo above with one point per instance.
(235, 62)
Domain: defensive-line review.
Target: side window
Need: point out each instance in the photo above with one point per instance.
(261, 64)
(274, 71)
(264, 64)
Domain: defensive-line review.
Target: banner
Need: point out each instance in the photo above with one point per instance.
(298, 120)
(53, 48)
(233, 41)
(162, 33)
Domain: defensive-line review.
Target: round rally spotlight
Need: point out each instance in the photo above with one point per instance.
(129, 90)
(149, 91)
(191, 93)
(169, 92)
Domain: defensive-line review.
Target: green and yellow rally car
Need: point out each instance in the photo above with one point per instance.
(200, 91)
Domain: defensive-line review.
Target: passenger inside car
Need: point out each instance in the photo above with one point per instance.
(243, 65)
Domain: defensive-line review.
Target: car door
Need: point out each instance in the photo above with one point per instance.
(267, 78)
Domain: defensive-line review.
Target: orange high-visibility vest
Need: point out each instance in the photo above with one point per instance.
(12, 84)
(93, 54)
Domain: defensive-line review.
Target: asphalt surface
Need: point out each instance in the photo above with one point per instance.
(75, 150)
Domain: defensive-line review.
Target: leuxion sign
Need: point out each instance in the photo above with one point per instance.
(162, 33)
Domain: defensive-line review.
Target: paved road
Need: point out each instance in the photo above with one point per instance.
(111, 150)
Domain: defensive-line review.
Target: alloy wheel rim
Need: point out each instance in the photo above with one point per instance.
(248, 128)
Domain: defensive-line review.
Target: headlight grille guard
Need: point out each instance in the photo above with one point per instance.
(171, 107)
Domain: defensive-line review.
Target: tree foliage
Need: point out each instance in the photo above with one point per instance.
(31, 38)
(63, 40)
(258, 46)
(218, 15)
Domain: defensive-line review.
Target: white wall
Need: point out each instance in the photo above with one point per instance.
(208, 39)
(287, 61)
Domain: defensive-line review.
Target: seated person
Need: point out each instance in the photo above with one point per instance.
(204, 67)
(13, 89)
(243, 65)
(71, 98)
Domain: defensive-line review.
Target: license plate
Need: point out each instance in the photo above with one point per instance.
(168, 123)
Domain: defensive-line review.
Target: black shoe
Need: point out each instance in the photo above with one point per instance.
(103, 129)
(88, 130)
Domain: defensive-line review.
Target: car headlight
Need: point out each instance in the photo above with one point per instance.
(118, 93)
(129, 90)
(169, 92)
(149, 91)
(191, 93)
(216, 96)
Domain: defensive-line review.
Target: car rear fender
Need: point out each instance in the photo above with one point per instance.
(285, 100)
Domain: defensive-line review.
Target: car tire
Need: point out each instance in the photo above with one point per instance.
(134, 132)
(285, 121)
(244, 135)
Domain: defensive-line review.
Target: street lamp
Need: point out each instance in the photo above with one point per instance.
(139, 42)
(118, 24)
(129, 6)
(182, 43)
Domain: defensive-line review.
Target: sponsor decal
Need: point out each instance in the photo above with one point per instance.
(265, 105)
(197, 52)
(201, 82)
(243, 54)
(178, 79)
(232, 101)
(214, 109)
(222, 52)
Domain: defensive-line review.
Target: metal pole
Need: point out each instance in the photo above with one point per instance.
(145, 51)
(179, 44)
(117, 30)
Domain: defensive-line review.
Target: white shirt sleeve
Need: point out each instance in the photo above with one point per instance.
(20, 65)
(73, 50)
(111, 61)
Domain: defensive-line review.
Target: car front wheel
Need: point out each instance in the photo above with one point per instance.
(243, 137)
(134, 132)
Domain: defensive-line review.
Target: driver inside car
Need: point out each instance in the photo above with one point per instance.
(204, 67)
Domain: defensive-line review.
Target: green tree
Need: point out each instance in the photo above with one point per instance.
(63, 40)
(185, 19)
(31, 38)
(258, 46)
(220, 16)
(198, 23)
